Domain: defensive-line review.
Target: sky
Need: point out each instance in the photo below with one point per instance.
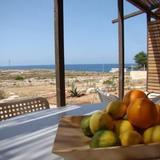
(27, 32)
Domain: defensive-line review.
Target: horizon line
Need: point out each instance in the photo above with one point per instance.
(65, 64)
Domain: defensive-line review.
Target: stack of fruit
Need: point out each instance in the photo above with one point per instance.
(134, 120)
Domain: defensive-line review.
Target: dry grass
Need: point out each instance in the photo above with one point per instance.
(42, 83)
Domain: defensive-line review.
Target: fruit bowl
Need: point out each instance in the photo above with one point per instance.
(71, 143)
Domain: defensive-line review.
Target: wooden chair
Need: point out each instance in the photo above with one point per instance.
(155, 99)
(18, 107)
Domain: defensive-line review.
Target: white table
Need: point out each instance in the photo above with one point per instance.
(31, 136)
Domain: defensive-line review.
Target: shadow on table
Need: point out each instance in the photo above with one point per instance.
(44, 121)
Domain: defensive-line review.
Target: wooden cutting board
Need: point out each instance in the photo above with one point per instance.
(71, 143)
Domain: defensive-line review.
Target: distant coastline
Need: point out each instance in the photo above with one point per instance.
(70, 67)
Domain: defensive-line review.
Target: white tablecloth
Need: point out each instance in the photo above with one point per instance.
(31, 136)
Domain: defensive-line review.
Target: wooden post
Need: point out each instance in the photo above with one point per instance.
(121, 48)
(59, 52)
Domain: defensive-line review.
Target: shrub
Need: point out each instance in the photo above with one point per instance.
(110, 81)
(19, 78)
(74, 92)
(2, 94)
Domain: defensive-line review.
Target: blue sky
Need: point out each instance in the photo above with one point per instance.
(27, 35)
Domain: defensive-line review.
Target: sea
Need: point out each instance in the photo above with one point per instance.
(71, 67)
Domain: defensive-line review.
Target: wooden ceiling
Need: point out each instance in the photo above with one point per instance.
(147, 6)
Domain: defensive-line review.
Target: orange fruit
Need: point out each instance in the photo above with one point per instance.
(142, 113)
(158, 116)
(133, 95)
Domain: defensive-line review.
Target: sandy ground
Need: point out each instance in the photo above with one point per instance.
(31, 83)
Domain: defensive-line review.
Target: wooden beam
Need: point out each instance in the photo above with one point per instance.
(144, 8)
(121, 47)
(136, 13)
(59, 52)
(133, 14)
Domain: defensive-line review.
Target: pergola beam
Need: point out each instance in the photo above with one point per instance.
(136, 13)
(142, 7)
(121, 47)
(59, 52)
